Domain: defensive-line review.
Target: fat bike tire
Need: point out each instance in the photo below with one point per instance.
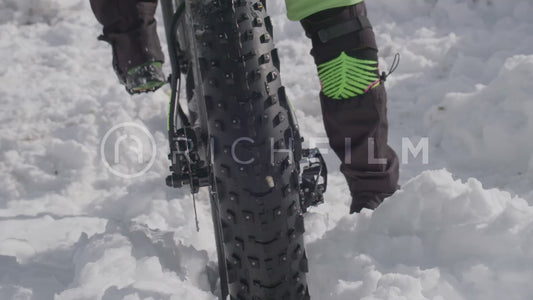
(250, 125)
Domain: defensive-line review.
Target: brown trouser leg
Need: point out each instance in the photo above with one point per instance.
(357, 127)
(130, 27)
(357, 130)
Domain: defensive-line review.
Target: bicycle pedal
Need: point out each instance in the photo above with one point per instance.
(313, 178)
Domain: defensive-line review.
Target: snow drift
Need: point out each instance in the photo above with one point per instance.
(69, 229)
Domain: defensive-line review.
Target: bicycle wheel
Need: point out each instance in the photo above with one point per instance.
(253, 131)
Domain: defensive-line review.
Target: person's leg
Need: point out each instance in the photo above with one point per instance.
(353, 100)
(130, 28)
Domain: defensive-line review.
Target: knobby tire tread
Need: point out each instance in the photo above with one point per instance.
(260, 213)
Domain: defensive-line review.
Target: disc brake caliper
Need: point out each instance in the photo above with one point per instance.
(187, 168)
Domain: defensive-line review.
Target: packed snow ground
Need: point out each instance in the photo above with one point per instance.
(70, 229)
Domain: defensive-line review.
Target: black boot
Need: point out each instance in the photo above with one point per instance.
(366, 200)
(130, 28)
(145, 78)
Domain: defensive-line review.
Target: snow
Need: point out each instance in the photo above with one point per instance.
(461, 227)
(437, 237)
